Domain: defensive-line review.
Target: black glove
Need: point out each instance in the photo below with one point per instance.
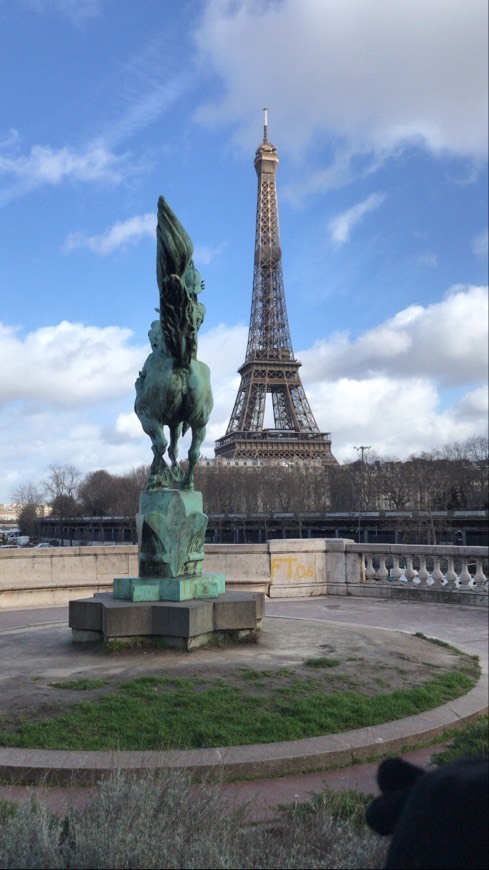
(438, 819)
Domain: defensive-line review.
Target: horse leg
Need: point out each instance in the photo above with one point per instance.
(158, 446)
(198, 435)
(175, 432)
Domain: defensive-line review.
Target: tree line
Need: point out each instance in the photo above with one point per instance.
(69, 494)
(454, 477)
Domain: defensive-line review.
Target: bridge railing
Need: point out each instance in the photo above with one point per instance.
(419, 569)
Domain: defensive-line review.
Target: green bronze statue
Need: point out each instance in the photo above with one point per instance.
(173, 389)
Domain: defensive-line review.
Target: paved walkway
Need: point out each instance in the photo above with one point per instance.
(466, 628)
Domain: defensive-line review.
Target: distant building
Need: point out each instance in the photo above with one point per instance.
(9, 513)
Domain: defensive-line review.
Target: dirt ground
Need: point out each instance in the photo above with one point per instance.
(370, 660)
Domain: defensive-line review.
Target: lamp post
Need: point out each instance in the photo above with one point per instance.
(362, 449)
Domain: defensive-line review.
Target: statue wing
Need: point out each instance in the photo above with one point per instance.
(174, 251)
(174, 246)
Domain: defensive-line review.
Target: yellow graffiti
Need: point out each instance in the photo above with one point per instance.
(294, 570)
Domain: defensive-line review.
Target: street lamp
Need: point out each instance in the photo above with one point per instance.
(362, 449)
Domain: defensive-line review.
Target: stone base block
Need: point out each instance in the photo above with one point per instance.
(81, 636)
(182, 619)
(183, 588)
(235, 611)
(185, 624)
(86, 614)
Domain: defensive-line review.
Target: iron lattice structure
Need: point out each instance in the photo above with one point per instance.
(270, 366)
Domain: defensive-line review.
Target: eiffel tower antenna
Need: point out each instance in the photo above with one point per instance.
(270, 366)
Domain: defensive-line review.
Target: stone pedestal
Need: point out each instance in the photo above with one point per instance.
(171, 529)
(171, 599)
(184, 624)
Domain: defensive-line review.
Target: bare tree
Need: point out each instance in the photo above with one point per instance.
(26, 494)
(28, 520)
(61, 490)
(127, 489)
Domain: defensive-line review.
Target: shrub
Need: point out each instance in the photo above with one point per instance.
(161, 819)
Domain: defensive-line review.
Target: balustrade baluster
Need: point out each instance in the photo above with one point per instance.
(410, 573)
(465, 577)
(369, 568)
(437, 575)
(479, 580)
(451, 575)
(383, 572)
(423, 573)
(396, 572)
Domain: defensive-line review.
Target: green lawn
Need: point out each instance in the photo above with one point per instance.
(164, 713)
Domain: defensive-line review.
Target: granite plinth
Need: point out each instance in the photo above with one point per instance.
(185, 624)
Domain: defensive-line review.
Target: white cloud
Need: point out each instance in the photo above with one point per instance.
(480, 244)
(130, 232)
(204, 255)
(154, 98)
(67, 366)
(446, 341)
(77, 11)
(472, 407)
(428, 259)
(123, 233)
(46, 165)
(397, 417)
(370, 76)
(341, 226)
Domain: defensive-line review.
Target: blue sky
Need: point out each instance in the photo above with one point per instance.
(379, 112)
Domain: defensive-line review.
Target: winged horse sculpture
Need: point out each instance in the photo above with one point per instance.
(173, 389)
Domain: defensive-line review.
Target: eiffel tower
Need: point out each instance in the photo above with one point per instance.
(270, 366)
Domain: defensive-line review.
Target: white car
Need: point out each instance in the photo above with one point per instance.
(41, 545)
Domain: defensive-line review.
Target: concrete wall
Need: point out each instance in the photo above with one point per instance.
(281, 568)
(31, 577)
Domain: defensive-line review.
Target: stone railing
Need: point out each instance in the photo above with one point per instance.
(437, 573)
(282, 568)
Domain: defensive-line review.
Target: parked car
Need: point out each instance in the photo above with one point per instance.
(44, 544)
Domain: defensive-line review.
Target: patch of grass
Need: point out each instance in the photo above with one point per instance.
(471, 740)
(348, 681)
(343, 805)
(322, 662)
(80, 685)
(438, 642)
(131, 643)
(163, 713)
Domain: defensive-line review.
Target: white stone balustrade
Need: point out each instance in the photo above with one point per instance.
(436, 567)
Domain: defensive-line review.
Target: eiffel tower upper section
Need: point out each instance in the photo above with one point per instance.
(270, 366)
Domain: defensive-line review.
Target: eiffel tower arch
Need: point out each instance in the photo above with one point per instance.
(270, 365)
